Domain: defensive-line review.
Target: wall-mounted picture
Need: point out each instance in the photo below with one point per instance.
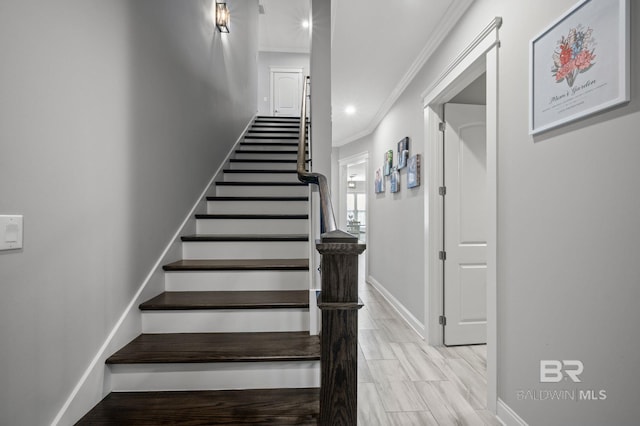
(388, 162)
(413, 171)
(403, 153)
(580, 64)
(379, 182)
(394, 184)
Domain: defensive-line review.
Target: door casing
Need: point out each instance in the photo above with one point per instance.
(480, 56)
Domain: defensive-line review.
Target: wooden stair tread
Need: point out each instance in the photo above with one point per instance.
(264, 125)
(197, 408)
(274, 137)
(261, 160)
(252, 216)
(244, 237)
(214, 198)
(239, 265)
(254, 143)
(272, 130)
(266, 151)
(218, 347)
(277, 117)
(265, 171)
(187, 300)
(261, 183)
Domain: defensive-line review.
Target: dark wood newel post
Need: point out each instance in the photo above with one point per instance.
(339, 336)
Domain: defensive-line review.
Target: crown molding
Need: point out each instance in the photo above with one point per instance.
(449, 20)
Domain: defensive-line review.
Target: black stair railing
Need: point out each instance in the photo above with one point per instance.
(338, 300)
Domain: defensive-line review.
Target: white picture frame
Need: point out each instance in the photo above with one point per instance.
(580, 64)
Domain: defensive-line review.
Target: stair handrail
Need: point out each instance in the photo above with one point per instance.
(328, 220)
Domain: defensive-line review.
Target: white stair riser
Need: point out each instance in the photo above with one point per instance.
(237, 280)
(262, 191)
(259, 207)
(215, 376)
(266, 165)
(261, 177)
(244, 249)
(226, 320)
(258, 146)
(252, 226)
(266, 155)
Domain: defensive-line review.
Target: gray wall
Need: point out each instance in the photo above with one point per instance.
(113, 117)
(474, 94)
(568, 228)
(277, 60)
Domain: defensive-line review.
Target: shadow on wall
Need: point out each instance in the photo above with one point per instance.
(189, 102)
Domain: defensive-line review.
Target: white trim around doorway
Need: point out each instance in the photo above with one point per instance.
(344, 164)
(480, 56)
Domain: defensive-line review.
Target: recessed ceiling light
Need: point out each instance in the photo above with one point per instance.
(350, 110)
(305, 24)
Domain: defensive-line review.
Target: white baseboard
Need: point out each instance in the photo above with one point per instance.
(507, 416)
(95, 383)
(410, 319)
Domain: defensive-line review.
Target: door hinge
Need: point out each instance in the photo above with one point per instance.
(441, 126)
(442, 255)
(442, 190)
(442, 320)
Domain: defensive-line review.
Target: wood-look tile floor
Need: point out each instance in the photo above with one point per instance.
(404, 381)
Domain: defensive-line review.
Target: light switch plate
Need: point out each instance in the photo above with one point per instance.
(10, 232)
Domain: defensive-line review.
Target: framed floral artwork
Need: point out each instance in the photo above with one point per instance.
(579, 65)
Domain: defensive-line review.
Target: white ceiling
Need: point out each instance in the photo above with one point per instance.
(377, 48)
(280, 27)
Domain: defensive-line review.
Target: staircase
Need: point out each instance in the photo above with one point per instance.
(228, 341)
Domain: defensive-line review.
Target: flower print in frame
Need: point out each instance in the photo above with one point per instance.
(579, 65)
(574, 55)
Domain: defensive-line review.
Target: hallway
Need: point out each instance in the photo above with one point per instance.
(404, 381)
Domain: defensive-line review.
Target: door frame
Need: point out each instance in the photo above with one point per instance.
(272, 71)
(344, 164)
(480, 56)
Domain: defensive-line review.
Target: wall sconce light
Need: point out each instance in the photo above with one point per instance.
(222, 17)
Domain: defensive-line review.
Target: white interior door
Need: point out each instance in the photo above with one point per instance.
(286, 86)
(465, 224)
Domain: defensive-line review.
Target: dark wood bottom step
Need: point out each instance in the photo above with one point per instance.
(218, 347)
(239, 265)
(187, 300)
(234, 407)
